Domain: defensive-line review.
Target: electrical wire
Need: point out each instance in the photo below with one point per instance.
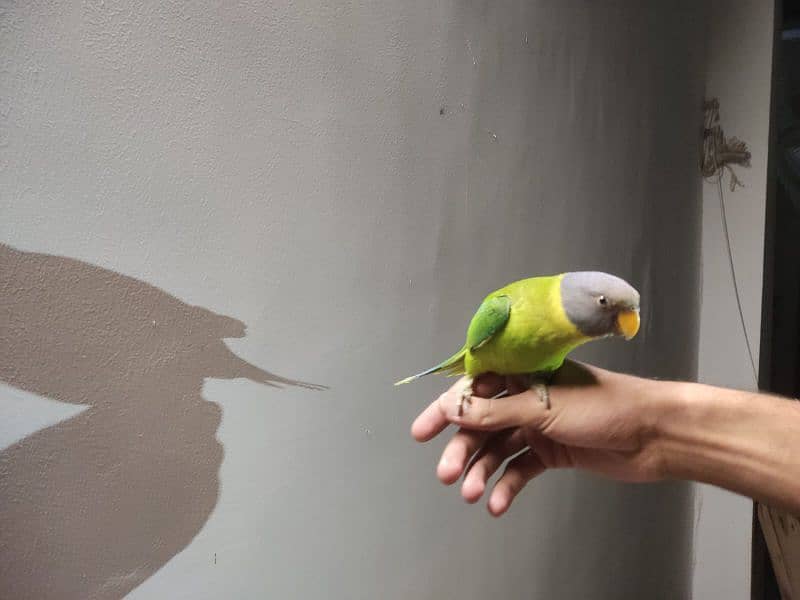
(718, 153)
(734, 279)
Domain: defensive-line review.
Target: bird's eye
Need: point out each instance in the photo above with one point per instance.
(602, 301)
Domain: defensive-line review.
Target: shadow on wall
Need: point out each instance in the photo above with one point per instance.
(94, 505)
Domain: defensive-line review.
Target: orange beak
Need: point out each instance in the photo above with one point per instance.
(628, 323)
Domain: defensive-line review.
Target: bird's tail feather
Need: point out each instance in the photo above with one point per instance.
(451, 367)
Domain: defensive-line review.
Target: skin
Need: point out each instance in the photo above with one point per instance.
(623, 427)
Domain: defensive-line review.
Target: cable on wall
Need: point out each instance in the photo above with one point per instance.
(718, 154)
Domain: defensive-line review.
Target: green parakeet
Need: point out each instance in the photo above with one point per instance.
(529, 326)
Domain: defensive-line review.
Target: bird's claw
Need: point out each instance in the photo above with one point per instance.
(543, 392)
(465, 397)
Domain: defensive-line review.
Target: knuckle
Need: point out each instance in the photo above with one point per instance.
(486, 414)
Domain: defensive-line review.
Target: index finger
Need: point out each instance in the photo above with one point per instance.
(430, 423)
(493, 414)
(434, 419)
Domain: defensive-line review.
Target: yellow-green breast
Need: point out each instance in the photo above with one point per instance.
(537, 336)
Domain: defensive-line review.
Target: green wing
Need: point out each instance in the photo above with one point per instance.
(490, 318)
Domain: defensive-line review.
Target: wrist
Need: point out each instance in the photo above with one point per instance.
(740, 441)
(657, 410)
(676, 407)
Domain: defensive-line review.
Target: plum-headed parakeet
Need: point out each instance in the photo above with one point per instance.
(529, 326)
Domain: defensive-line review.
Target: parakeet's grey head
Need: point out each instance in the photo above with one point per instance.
(599, 304)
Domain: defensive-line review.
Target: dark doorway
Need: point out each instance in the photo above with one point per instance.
(779, 368)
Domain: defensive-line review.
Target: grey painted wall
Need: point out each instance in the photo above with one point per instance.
(195, 199)
(739, 68)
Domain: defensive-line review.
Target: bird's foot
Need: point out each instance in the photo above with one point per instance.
(538, 382)
(544, 393)
(466, 395)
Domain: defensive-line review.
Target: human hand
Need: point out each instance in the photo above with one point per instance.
(599, 421)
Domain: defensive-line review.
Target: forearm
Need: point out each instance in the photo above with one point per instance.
(745, 442)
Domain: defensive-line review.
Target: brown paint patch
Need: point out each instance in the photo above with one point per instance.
(94, 505)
